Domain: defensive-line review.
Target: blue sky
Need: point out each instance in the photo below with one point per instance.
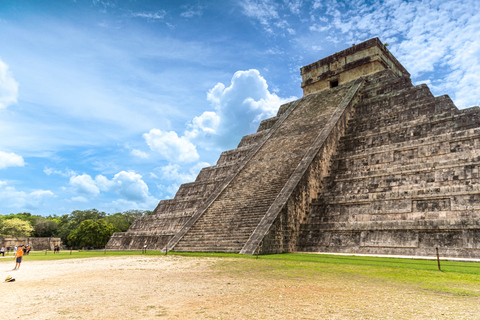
(113, 104)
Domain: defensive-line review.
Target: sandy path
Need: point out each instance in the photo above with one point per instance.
(175, 287)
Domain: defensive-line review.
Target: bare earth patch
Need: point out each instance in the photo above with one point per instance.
(175, 287)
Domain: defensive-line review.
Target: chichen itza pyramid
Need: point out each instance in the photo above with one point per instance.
(365, 162)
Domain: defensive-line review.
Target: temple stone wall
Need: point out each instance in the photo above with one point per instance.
(358, 61)
(36, 244)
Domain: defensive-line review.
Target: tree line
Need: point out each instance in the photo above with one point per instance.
(81, 228)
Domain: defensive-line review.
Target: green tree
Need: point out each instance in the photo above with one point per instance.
(44, 227)
(91, 233)
(70, 222)
(121, 221)
(16, 228)
(25, 216)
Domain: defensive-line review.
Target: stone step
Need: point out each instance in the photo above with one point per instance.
(406, 166)
(216, 172)
(431, 224)
(445, 154)
(400, 183)
(422, 108)
(238, 225)
(236, 155)
(178, 205)
(253, 138)
(386, 86)
(417, 193)
(267, 124)
(208, 249)
(393, 128)
(393, 102)
(458, 136)
(330, 215)
(408, 132)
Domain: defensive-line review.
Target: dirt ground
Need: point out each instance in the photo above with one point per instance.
(174, 287)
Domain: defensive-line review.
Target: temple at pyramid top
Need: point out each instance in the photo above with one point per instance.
(360, 60)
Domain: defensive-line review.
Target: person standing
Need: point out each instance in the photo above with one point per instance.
(18, 257)
(2, 251)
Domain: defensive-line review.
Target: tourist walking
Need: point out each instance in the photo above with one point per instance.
(18, 257)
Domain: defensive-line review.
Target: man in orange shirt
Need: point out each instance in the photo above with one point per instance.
(18, 257)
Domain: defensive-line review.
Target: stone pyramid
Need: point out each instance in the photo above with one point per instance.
(365, 162)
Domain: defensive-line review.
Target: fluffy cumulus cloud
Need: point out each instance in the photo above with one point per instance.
(170, 146)
(130, 186)
(84, 184)
(173, 172)
(239, 108)
(10, 160)
(10, 197)
(8, 87)
(127, 184)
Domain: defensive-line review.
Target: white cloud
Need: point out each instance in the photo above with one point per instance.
(139, 154)
(266, 12)
(158, 15)
(294, 6)
(239, 109)
(84, 184)
(129, 185)
(206, 124)
(173, 172)
(192, 12)
(66, 173)
(8, 87)
(170, 146)
(317, 4)
(21, 200)
(79, 199)
(122, 204)
(262, 10)
(10, 160)
(103, 183)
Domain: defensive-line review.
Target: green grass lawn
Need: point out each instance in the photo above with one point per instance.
(458, 278)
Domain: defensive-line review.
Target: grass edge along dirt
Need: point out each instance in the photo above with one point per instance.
(458, 278)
